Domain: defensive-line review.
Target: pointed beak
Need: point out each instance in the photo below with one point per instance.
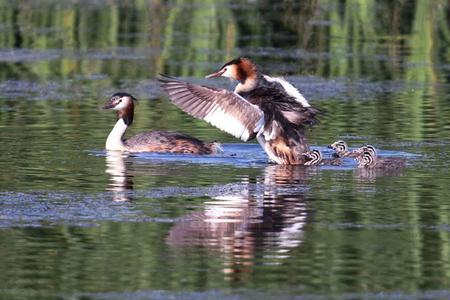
(108, 105)
(217, 74)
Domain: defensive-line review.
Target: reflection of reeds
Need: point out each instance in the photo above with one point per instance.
(80, 30)
(363, 38)
(193, 35)
(419, 68)
(367, 39)
(359, 39)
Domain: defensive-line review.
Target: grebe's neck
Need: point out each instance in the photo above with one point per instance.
(115, 137)
(249, 84)
(247, 74)
(125, 114)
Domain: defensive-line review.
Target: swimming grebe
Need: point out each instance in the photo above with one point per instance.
(366, 148)
(341, 150)
(314, 158)
(268, 108)
(369, 159)
(149, 141)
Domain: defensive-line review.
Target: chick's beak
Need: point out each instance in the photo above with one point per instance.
(358, 151)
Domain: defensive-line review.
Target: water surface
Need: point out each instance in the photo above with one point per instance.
(77, 222)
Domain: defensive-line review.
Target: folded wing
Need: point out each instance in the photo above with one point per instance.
(224, 109)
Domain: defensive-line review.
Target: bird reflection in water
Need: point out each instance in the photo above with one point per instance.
(267, 216)
(120, 181)
(370, 175)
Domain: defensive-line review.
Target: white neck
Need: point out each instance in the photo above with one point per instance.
(247, 86)
(114, 140)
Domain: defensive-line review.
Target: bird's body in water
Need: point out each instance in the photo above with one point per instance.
(366, 148)
(267, 108)
(368, 158)
(315, 158)
(341, 150)
(149, 141)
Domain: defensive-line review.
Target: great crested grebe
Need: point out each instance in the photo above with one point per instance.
(315, 158)
(370, 160)
(149, 141)
(268, 108)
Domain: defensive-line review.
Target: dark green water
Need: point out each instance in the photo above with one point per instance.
(78, 223)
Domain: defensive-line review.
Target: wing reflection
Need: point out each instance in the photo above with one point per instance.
(120, 181)
(267, 217)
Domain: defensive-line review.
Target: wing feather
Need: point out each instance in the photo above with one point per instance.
(224, 109)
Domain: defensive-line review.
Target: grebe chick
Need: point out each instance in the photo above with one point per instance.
(149, 141)
(341, 149)
(314, 158)
(267, 108)
(366, 148)
(370, 160)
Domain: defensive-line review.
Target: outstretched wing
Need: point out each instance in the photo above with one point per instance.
(224, 109)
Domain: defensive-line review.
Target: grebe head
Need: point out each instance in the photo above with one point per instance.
(313, 157)
(366, 148)
(340, 147)
(371, 149)
(239, 69)
(119, 101)
(123, 104)
(366, 159)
